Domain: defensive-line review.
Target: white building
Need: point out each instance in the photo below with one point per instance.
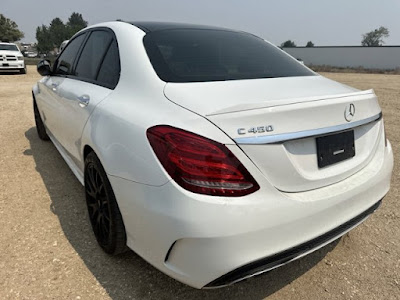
(382, 57)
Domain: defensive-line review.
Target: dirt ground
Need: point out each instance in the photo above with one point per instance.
(47, 249)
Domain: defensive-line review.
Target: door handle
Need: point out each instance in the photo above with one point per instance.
(83, 100)
(54, 86)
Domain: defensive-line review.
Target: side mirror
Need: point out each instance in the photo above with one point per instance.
(44, 67)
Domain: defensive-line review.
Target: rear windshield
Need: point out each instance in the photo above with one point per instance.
(198, 55)
(8, 47)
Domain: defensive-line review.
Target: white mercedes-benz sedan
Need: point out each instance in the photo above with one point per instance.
(210, 152)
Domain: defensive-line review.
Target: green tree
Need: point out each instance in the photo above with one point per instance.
(58, 32)
(288, 44)
(43, 37)
(375, 37)
(310, 44)
(9, 31)
(75, 23)
(50, 37)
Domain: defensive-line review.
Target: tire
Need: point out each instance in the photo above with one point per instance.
(41, 130)
(22, 71)
(104, 214)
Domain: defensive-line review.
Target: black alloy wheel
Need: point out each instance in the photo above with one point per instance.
(104, 214)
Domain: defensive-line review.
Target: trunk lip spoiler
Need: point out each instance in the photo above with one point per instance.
(284, 137)
(278, 102)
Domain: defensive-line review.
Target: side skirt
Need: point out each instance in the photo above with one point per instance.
(77, 172)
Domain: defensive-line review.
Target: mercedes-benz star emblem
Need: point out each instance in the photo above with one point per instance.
(349, 112)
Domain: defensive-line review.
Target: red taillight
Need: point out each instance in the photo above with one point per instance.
(200, 165)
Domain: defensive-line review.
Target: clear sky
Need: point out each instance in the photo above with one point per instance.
(334, 22)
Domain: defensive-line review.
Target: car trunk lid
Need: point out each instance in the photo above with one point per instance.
(276, 123)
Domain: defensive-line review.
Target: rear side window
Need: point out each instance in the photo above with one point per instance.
(110, 68)
(92, 54)
(197, 55)
(66, 60)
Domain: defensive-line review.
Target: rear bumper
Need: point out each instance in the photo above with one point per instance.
(207, 241)
(271, 262)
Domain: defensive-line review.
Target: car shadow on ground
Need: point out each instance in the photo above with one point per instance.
(10, 73)
(128, 275)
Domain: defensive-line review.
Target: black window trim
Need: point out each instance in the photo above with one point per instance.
(104, 57)
(88, 33)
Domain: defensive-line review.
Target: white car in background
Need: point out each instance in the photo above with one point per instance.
(11, 58)
(211, 153)
(31, 54)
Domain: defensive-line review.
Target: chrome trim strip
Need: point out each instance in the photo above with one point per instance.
(284, 137)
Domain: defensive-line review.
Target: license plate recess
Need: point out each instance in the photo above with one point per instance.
(335, 148)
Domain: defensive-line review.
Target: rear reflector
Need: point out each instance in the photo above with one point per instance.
(200, 165)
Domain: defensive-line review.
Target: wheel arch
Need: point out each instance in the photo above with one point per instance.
(86, 150)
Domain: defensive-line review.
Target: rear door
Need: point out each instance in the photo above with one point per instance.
(95, 76)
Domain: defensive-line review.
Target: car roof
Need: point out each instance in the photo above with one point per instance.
(5, 43)
(158, 26)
